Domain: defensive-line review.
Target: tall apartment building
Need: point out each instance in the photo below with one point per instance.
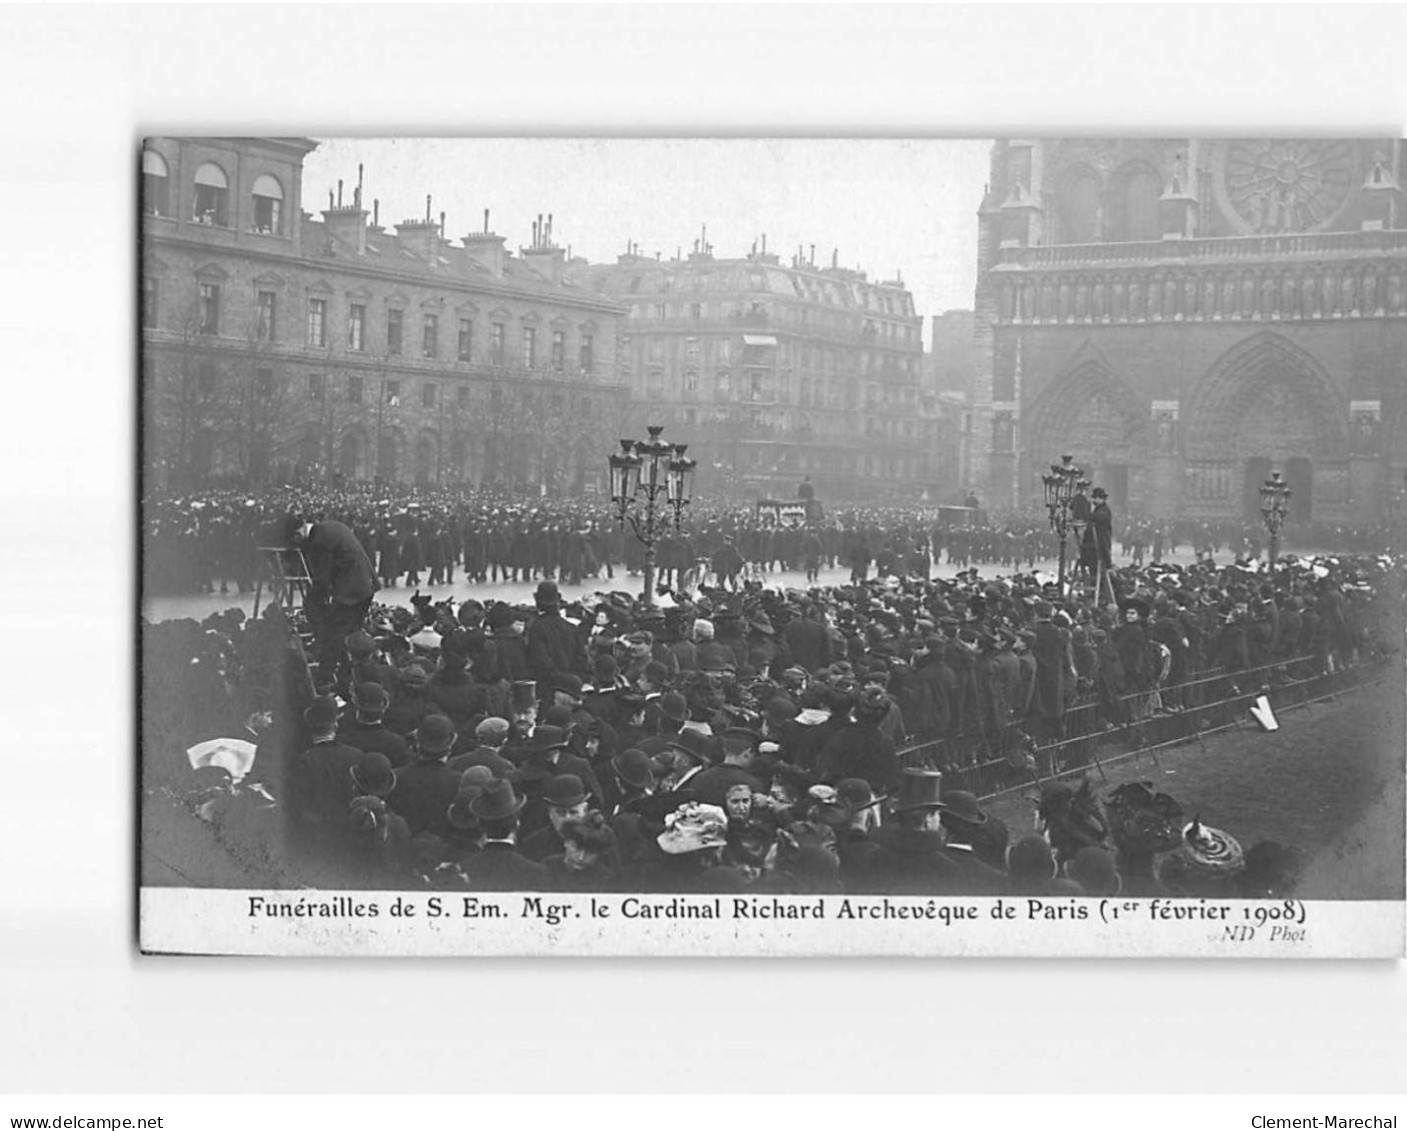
(775, 372)
(278, 345)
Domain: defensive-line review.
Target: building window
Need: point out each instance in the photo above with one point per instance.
(356, 327)
(393, 394)
(393, 332)
(696, 311)
(212, 192)
(427, 396)
(268, 205)
(355, 387)
(496, 337)
(430, 336)
(725, 384)
(691, 380)
(264, 383)
(264, 318)
(156, 185)
(317, 322)
(209, 308)
(151, 291)
(205, 377)
(559, 351)
(529, 347)
(661, 311)
(691, 348)
(462, 396)
(316, 384)
(466, 339)
(588, 343)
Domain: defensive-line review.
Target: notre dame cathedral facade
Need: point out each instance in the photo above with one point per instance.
(1185, 315)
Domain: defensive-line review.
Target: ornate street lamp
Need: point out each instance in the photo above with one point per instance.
(1274, 507)
(646, 477)
(1061, 486)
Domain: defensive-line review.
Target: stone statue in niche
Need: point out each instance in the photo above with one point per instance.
(1064, 300)
(1155, 299)
(1099, 308)
(1309, 296)
(1081, 301)
(1028, 302)
(1116, 304)
(1165, 433)
(1365, 433)
(1394, 293)
(1189, 297)
(1228, 297)
(1047, 300)
(1135, 299)
(1330, 286)
(1248, 297)
(1288, 290)
(1209, 297)
(1348, 290)
(1170, 292)
(1268, 295)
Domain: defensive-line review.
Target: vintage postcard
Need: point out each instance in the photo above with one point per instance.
(773, 547)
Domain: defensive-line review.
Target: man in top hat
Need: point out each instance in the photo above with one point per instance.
(1099, 534)
(547, 756)
(426, 788)
(855, 840)
(976, 841)
(913, 862)
(365, 729)
(739, 753)
(498, 865)
(343, 582)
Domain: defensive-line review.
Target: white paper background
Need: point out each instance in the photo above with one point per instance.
(83, 1012)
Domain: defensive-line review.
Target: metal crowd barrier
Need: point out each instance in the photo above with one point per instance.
(1099, 732)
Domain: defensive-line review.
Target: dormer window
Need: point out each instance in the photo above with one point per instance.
(268, 206)
(212, 193)
(156, 186)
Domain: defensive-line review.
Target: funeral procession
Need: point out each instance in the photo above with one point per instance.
(1067, 566)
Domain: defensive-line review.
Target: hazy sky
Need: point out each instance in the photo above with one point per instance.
(887, 205)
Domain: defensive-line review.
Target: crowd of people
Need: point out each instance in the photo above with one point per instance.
(725, 738)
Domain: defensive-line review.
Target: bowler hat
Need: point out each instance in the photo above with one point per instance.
(372, 774)
(370, 698)
(1100, 493)
(697, 746)
(497, 802)
(569, 682)
(856, 793)
(546, 738)
(360, 645)
(565, 791)
(474, 779)
(321, 714)
(633, 767)
(919, 789)
(435, 734)
(960, 805)
(674, 707)
(547, 595)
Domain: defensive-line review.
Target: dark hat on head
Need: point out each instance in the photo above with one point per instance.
(546, 738)
(1030, 858)
(633, 766)
(497, 802)
(959, 805)
(558, 717)
(370, 698)
(674, 707)
(360, 645)
(856, 793)
(547, 595)
(492, 729)
(919, 789)
(696, 745)
(500, 616)
(1100, 493)
(435, 735)
(524, 694)
(474, 780)
(414, 675)
(569, 682)
(1093, 869)
(321, 714)
(565, 791)
(373, 774)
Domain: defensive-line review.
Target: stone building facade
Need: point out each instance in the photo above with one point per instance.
(276, 345)
(775, 372)
(1184, 315)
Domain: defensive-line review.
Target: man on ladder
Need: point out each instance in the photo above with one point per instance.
(341, 584)
(1097, 550)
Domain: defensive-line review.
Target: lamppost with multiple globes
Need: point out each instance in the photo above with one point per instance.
(1062, 484)
(648, 476)
(1274, 507)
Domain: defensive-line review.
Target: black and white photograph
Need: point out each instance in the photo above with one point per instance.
(831, 532)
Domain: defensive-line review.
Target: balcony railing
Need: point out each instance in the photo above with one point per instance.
(1315, 245)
